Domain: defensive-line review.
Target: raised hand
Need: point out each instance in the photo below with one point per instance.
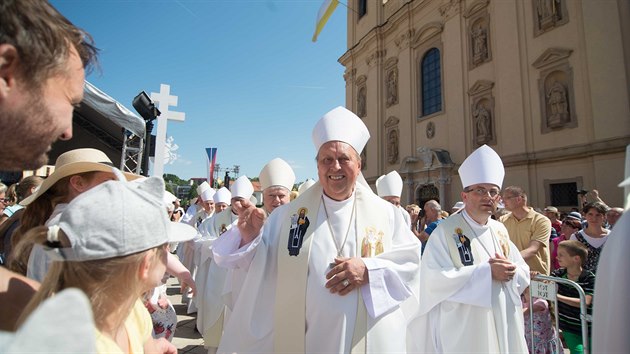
(250, 220)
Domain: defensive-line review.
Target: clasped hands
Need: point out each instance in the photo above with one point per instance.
(347, 275)
(502, 269)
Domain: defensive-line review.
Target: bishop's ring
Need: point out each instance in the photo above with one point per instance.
(345, 283)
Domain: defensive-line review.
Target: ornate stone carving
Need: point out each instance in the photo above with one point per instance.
(552, 56)
(376, 57)
(549, 14)
(476, 7)
(349, 75)
(391, 122)
(556, 98)
(482, 112)
(425, 155)
(427, 32)
(362, 101)
(404, 40)
(392, 87)
(430, 130)
(479, 38)
(480, 44)
(392, 146)
(449, 9)
(558, 104)
(480, 87)
(483, 124)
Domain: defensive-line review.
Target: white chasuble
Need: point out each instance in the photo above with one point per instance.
(210, 278)
(282, 308)
(462, 309)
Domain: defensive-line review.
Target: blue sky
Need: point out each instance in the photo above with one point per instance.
(247, 75)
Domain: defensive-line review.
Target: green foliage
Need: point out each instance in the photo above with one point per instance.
(174, 179)
(193, 191)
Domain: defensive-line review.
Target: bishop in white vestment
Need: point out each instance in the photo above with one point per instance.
(330, 271)
(472, 275)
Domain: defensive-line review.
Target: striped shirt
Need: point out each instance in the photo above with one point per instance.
(568, 315)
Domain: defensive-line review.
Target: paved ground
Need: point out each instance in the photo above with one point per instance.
(187, 339)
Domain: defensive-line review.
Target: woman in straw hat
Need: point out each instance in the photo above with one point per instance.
(76, 171)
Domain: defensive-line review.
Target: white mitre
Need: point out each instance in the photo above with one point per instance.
(277, 173)
(341, 125)
(202, 187)
(389, 185)
(482, 166)
(242, 188)
(223, 195)
(168, 198)
(306, 185)
(207, 194)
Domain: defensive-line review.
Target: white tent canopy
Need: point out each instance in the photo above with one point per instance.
(113, 110)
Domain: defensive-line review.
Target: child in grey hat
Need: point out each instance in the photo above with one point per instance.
(112, 243)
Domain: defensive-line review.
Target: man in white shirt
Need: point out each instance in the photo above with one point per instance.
(348, 247)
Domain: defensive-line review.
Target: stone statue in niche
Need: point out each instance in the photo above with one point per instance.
(430, 130)
(482, 122)
(361, 103)
(392, 146)
(548, 12)
(480, 44)
(558, 112)
(426, 155)
(392, 87)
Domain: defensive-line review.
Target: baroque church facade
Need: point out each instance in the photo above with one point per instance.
(543, 82)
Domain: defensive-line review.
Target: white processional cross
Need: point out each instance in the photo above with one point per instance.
(164, 100)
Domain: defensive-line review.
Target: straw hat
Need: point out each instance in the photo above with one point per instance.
(74, 162)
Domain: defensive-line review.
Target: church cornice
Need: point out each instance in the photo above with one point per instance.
(476, 6)
(427, 32)
(480, 86)
(582, 151)
(551, 56)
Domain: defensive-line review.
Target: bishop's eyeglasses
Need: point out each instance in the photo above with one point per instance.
(480, 191)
